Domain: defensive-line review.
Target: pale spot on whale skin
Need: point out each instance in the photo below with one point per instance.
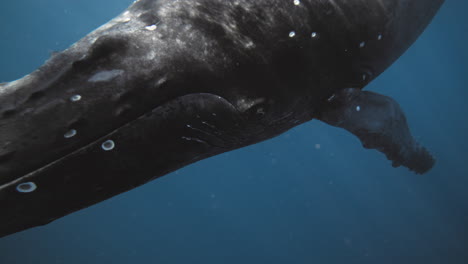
(124, 18)
(26, 187)
(75, 98)
(245, 104)
(249, 45)
(151, 28)
(71, 133)
(108, 145)
(105, 76)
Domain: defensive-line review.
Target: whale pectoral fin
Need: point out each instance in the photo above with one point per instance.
(379, 122)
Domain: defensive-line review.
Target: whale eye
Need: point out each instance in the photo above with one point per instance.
(26, 187)
(103, 50)
(108, 145)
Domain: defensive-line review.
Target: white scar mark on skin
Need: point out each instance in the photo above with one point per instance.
(244, 104)
(151, 28)
(105, 76)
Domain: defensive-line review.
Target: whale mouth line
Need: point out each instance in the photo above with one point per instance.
(103, 138)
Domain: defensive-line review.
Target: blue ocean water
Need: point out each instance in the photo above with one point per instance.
(311, 195)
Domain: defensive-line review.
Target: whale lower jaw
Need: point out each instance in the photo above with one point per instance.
(182, 131)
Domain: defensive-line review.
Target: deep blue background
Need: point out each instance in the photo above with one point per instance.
(281, 201)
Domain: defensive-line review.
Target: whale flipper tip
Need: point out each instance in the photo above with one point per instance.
(379, 122)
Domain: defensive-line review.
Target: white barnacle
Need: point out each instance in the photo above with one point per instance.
(297, 2)
(70, 133)
(75, 98)
(379, 37)
(104, 76)
(362, 44)
(314, 35)
(26, 187)
(151, 28)
(358, 108)
(292, 34)
(108, 145)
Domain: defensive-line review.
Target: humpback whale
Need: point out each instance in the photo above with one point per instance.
(170, 82)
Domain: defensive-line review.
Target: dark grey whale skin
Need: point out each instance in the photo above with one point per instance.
(174, 82)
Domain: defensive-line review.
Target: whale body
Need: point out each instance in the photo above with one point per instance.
(168, 83)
